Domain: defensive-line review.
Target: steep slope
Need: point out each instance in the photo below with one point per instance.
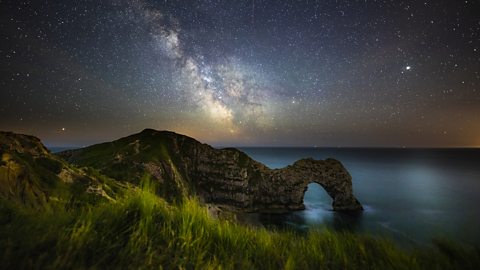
(183, 166)
(30, 175)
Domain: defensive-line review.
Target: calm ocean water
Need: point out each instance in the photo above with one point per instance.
(412, 195)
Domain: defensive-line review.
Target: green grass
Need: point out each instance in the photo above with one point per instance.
(141, 231)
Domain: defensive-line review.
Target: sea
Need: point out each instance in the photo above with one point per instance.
(412, 196)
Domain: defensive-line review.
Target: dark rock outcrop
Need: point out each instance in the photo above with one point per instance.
(184, 166)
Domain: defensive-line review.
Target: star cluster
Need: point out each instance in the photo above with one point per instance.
(255, 72)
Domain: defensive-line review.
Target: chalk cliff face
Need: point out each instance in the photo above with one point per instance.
(183, 166)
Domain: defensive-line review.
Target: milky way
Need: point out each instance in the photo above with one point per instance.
(284, 73)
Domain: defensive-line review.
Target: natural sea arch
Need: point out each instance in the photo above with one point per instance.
(284, 189)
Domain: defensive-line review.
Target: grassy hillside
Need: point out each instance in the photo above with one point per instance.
(129, 158)
(181, 166)
(31, 176)
(142, 231)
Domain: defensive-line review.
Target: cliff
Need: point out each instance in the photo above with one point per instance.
(182, 166)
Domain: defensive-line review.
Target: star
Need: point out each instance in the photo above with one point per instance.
(206, 69)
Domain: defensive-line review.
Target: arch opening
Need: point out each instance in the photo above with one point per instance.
(315, 196)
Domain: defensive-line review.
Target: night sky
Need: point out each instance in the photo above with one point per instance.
(259, 73)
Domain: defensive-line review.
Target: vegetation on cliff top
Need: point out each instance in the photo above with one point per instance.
(31, 176)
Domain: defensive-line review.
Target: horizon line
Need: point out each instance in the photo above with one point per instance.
(305, 146)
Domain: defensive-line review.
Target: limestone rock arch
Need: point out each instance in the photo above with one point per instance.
(287, 186)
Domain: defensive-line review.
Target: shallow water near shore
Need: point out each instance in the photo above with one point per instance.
(410, 195)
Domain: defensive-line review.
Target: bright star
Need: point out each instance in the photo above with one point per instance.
(408, 67)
